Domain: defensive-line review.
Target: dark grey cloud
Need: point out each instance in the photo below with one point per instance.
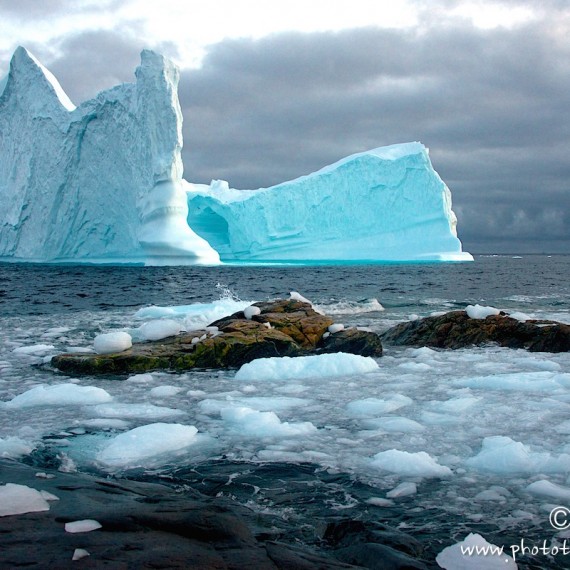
(490, 104)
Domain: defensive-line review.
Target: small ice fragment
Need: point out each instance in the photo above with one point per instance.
(59, 395)
(298, 297)
(468, 555)
(165, 391)
(49, 496)
(109, 343)
(403, 490)
(42, 475)
(195, 340)
(141, 378)
(336, 327)
(80, 553)
(251, 311)
(34, 350)
(479, 312)
(268, 325)
(20, 499)
(522, 317)
(86, 525)
(379, 502)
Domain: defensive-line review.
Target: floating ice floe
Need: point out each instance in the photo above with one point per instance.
(157, 329)
(253, 423)
(60, 395)
(136, 447)
(545, 488)
(299, 367)
(407, 464)
(370, 407)
(132, 411)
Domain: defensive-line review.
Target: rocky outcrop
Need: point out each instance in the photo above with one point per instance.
(282, 328)
(457, 330)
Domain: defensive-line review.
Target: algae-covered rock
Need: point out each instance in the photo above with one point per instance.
(282, 328)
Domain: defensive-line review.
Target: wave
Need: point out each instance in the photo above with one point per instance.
(350, 307)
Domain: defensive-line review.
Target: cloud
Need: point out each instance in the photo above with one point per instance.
(489, 103)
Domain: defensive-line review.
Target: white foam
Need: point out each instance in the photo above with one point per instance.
(295, 368)
(59, 395)
(20, 499)
(370, 407)
(135, 447)
(405, 464)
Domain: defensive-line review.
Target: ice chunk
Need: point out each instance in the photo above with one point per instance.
(251, 422)
(479, 312)
(251, 311)
(475, 553)
(165, 391)
(109, 343)
(407, 464)
(294, 368)
(370, 407)
(337, 327)
(387, 214)
(139, 445)
(158, 329)
(60, 395)
(502, 455)
(131, 411)
(86, 525)
(14, 447)
(394, 424)
(79, 553)
(545, 488)
(34, 350)
(19, 499)
(516, 381)
(404, 489)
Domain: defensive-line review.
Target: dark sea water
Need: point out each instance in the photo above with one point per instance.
(325, 477)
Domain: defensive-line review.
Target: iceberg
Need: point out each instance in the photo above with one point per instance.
(387, 204)
(102, 183)
(98, 183)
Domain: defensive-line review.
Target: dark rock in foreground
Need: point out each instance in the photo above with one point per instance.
(144, 525)
(457, 330)
(282, 328)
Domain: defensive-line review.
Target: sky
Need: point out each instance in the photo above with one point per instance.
(272, 90)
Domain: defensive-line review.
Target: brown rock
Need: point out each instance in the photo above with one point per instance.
(353, 341)
(457, 330)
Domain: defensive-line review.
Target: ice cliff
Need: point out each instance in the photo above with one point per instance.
(386, 204)
(102, 183)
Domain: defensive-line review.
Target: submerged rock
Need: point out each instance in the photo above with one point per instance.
(281, 328)
(457, 330)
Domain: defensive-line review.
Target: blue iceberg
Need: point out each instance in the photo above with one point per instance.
(102, 183)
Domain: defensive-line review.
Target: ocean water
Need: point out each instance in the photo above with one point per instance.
(495, 420)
